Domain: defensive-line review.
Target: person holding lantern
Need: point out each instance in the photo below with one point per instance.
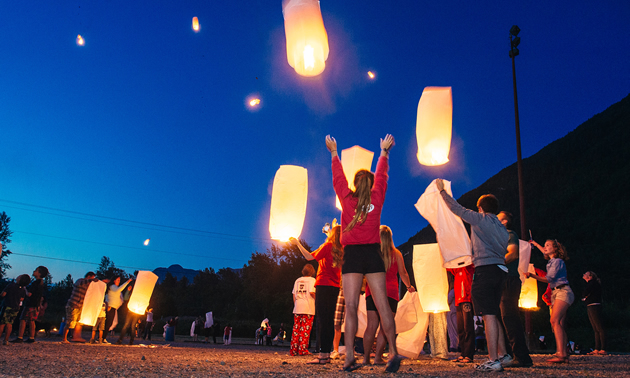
(562, 296)
(394, 263)
(74, 306)
(114, 301)
(329, 256)
(360, 222)
(489, 243)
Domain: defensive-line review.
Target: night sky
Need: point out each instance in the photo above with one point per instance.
(145, 132)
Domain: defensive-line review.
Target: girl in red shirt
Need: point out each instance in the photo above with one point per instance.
(360, 222)
(329, 256)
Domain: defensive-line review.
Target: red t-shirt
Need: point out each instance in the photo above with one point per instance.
(326, 274)
(391, 283)
(368, 231)
(463, 283)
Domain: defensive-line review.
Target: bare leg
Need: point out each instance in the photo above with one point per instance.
(558, 320)
(32, 329)
(76, 336)
(379, 294)
(21, 329)
(381, 341)
(501, 349)
(492, 335)
(351, 288)
(65, 335)
(336, 340)
(368, 336)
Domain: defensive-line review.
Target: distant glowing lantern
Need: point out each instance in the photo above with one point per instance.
(254, 102)
(288, 202)
(354, 159)
(371, 74)
(434, 124)
(431, 279)
(92, 303)
(142, 290)
(80, 40)
(529, 292)
(307, 41)
(146, 242)
(195, 24)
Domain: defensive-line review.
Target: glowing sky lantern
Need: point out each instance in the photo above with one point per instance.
(195, 24)
(307, 41)
(371, 74)
(92, 303)
(288, 202)
(431, 279)
(529, 292)
(254, 102)
(354, 159)
(142, 290)
(146, 242)
(80, 40)
(434, 124)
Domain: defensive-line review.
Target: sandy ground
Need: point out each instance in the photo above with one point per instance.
(48, 358)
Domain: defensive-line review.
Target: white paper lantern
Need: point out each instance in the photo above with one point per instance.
(307, 40)
(142, 291)
(288, 202)
(431, 279)
(354, 159)
(434, 125)
(93, 303)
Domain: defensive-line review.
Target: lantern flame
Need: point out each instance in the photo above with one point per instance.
(146, 242)
(309, 58)
(195, 24)
(254, 102)
(80, 40)
(371, 74)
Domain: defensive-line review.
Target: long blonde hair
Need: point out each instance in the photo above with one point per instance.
(334, 237)
(387, 246)
(363, 182)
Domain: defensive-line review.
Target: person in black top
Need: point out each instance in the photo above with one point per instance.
(31, 304)
(592, 297)
(13, 294)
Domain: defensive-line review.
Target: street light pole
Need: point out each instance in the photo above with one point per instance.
(515, 40)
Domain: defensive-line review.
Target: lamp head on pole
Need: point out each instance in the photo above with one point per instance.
(514, 30)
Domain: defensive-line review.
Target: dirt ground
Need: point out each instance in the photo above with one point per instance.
(48, 358)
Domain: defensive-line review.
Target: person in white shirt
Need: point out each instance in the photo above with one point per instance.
(303, 311)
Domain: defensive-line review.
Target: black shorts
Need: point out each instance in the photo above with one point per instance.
(362, 258)
(369, 303)
(486, 290)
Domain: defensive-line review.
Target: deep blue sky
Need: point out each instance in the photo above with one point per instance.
(147, 122)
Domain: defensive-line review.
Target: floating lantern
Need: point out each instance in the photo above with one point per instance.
(371, 74)
(434, 124)
(80, 40)
(142, 290)
(354, 159)
(288, 202)
(195, 24)
(146, 242)
(307, 41)
(254, 102)
(450, 231)
(431, 279)
(93, 303)
(529, 292)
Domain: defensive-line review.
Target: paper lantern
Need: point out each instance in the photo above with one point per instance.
(80, 40)
(93, 303)
(288, 202)
(195, 24)
(142, 290)
(529, 292)
(307, 41)
(434, 124)
(524, 255)
(451, 234)
(431, 279)
(146, 242)
(354, 159)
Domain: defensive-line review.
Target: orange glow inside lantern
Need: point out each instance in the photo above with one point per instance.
(195, 24)
(142, 291)
(354, 159)
(307, 40)
(80, 40)
(434, 125)
(288, 202)
(93, 303)
(146, 242)
(371, 74)
(254, 102)
(529, 292)
(431, 278)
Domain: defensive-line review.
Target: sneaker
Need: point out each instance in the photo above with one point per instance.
(518, 364)
(30, 341)
(105, 341)
(490, 366)
(505, 359)
(16, 341)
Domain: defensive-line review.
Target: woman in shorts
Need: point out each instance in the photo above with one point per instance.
(360, 223)
(561, 297)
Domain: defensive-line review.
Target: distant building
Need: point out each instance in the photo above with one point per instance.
(176, 271)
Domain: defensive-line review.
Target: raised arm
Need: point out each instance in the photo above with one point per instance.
(307, 255)
(387, 144)
(537, 277)
(540, 247)
(467, 215)
(404, 276)
(331, 144)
